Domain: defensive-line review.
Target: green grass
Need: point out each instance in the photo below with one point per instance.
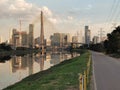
(63, 76)
(90, 83)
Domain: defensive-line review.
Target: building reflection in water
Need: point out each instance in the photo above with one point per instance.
(55, 58)
(27, 61)
(30, 59)
(22, 63)
(20, 67)
(40, 58)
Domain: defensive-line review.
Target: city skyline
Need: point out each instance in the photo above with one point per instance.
(59, 17)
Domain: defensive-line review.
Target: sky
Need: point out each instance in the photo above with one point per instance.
(65, 16)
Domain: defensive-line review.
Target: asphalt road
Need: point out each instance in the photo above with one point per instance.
(106, 72)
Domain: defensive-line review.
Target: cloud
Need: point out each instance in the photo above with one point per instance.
(20, 9)
(15, 8)
(53, 20)
(12, 7)
(89, 7)
(28, 12)
(70, 18)
(3, 1)
(22, 5)
(47, 11)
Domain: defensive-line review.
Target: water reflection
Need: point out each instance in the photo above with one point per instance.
(18, 63)
(40, 60)
(15, 68)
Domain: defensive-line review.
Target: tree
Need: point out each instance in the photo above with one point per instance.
(97, 47)
(5, 47)
(112, 45)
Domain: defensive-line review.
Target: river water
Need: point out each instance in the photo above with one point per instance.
(15, 68)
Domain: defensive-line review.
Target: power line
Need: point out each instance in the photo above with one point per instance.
(117, 10)
(113, 12)
(118, 13)
(110, 13)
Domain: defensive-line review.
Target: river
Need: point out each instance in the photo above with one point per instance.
(15, 68)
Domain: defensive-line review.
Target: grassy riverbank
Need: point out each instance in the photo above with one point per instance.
(60, 77)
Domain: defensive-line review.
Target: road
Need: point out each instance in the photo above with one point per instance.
(106, 72)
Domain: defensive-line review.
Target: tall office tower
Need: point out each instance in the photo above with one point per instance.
(16, 38)
(31, 35)
(79, 35)
(57, 39)
(24, 39)
(87, 35)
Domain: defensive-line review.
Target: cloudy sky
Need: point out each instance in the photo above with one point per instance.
(67, 16)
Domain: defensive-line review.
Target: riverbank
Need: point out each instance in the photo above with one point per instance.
(63, 76)
(18, 52)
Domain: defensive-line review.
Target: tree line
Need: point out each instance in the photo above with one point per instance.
(111, 44)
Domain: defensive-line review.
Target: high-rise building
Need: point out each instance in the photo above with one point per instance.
(74, 39)
(79, 35)
(16, 38)
(19, 38)
(57, 39)
(24, 39)
(95, 39)
(60, 39)
(83, 39)
(87, 35)
(66, 39)
(31, 35)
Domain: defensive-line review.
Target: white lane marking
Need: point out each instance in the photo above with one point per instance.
(94, 79)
